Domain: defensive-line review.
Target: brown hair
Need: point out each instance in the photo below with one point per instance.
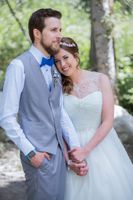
(69, 45)
(37, 20)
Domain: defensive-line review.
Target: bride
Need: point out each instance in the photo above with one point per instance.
(88, 100)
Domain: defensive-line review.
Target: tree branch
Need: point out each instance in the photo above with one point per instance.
(17, 20)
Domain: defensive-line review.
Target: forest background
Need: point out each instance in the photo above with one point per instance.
(109, 51)
(76, 23)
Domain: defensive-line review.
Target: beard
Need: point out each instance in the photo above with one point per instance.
(50, 49)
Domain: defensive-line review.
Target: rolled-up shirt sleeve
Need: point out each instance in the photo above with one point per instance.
(13, 86)
(69, 132)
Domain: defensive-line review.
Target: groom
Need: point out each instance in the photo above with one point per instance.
(32, 112)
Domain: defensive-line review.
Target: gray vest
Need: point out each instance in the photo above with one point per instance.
(39, 110)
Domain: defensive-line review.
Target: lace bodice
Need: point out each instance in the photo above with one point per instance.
(109, 165)
(84, 106)
(89, 82)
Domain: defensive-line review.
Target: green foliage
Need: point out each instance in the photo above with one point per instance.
(12, 40)
(123, 34)
(76, 24)
(85, 4)
(125, 83)
(126, 6)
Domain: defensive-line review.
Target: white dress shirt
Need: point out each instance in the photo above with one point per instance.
(13, 86)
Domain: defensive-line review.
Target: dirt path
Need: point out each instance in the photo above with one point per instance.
(12, 185)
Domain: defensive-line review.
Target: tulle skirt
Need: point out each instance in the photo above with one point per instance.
(110, 175)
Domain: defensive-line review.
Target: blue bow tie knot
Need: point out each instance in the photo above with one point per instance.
(46, 61)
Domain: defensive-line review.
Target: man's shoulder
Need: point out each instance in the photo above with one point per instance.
(23, 55)
(18, 62)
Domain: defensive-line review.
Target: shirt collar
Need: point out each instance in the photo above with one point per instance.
(37, 54)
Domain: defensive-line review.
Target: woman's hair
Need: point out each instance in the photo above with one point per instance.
(37, 20)
(69, 45)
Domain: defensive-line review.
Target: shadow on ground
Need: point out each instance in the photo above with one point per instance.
(13, 191)
(12, 181)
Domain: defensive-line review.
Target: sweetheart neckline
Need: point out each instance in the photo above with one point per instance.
(84, 96)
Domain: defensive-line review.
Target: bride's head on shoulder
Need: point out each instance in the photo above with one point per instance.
(68, 62)
(67, 59)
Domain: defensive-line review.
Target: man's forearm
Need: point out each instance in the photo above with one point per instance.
(15, 133)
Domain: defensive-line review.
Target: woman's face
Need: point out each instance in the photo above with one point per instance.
(66, 62)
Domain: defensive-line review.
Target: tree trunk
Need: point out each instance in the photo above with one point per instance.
(102, 56)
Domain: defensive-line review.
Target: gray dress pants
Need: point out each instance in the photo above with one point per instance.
(48, 181)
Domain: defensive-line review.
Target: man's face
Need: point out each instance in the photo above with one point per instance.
(51, 35)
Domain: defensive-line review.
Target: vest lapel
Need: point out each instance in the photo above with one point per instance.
(52, 85)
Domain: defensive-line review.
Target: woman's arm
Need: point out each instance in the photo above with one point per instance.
(79, 154)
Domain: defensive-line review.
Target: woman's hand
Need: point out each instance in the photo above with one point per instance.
(77, 154)
(81, 169)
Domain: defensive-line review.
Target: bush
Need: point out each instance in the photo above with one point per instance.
(125, 83)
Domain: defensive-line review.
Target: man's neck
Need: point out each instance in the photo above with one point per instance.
(40, 48)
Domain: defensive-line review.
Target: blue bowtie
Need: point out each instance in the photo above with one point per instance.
(48, 62)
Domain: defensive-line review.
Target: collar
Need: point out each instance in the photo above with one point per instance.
(37, 54)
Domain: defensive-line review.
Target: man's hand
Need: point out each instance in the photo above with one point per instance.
(80, 169)
(37, 160)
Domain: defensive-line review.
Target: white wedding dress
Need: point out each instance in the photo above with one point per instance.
(110, 175)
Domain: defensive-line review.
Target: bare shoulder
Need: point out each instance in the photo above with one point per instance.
(104, 78)
(101, 77)
(92, 73)
(105, 81)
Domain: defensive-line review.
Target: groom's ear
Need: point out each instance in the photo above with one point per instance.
(37, 34)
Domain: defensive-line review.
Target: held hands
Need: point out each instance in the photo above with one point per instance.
(78, 163)
(37, 160)
(80, 169)
(77, 154)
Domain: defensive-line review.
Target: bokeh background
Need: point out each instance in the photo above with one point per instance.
(76, 23)
(79, 16)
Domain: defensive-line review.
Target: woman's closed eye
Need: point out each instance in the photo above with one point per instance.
(65, 57)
